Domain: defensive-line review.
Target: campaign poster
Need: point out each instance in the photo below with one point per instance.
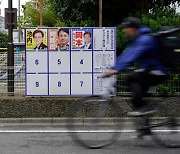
(53, 38)
(63, 39)
(36, 39)
(82, 39)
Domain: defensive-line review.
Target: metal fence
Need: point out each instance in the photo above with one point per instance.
(172, 85)
(169, 86)
(19, 73)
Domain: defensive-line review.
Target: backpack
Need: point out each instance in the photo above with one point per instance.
(169, 45)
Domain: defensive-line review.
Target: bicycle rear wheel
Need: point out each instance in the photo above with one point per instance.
(167, 132)
(166, 126)
(98, 125)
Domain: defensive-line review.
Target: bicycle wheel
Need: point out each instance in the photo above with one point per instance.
(165, 126)
(98, 125)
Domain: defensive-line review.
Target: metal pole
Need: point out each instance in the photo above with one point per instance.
(10, 54)
(41, 10)
(19, 27)
(100, 13)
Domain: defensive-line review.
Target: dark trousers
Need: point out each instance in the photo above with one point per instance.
(139, 83)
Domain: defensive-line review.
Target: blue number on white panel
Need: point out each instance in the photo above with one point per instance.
(81, 62)
(37, 84)
(37, 62)
(59, 84)
(81, 83)
(59, 61)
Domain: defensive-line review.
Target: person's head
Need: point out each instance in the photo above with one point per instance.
(87, 37)
(63, 35)
(38, 36)
(130, 27)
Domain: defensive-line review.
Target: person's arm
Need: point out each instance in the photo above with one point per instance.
(110, 73)
(131, 55)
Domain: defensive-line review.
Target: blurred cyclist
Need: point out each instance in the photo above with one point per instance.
(142, 48)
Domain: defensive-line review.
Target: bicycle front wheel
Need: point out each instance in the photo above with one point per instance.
(93, 122)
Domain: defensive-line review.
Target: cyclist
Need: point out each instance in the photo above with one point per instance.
(142, 48)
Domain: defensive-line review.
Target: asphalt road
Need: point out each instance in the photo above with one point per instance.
(54, 139)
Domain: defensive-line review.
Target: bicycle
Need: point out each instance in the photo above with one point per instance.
(102, 118)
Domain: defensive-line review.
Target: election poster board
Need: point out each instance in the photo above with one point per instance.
(63, 61)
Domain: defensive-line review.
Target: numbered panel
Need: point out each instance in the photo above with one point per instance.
(59, 61)
(81, 84)
(37, 84)
(36, 62)
(81, 61)
(59, 84)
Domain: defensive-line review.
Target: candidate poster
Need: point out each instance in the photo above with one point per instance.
(82, 39)
(36, 39)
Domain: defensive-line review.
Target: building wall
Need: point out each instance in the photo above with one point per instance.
(15, 31)
(0, 9)
(2, 22)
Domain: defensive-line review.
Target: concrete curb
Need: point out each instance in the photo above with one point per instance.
(63, 121)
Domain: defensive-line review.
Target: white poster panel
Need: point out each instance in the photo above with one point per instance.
(103, 85)
(36, 62)
(104, 39)
(59, 61)
(103, 60)
(81, 61)
(81, 84)
(97, 84)
(59, 84)
(37, 84)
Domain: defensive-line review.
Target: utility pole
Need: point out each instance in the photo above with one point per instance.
(100, 13)
(10, 54)
(41, 12)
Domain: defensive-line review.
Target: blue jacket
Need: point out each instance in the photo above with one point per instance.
(143, 49)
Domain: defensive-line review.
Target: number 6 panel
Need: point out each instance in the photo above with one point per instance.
(36, 62)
